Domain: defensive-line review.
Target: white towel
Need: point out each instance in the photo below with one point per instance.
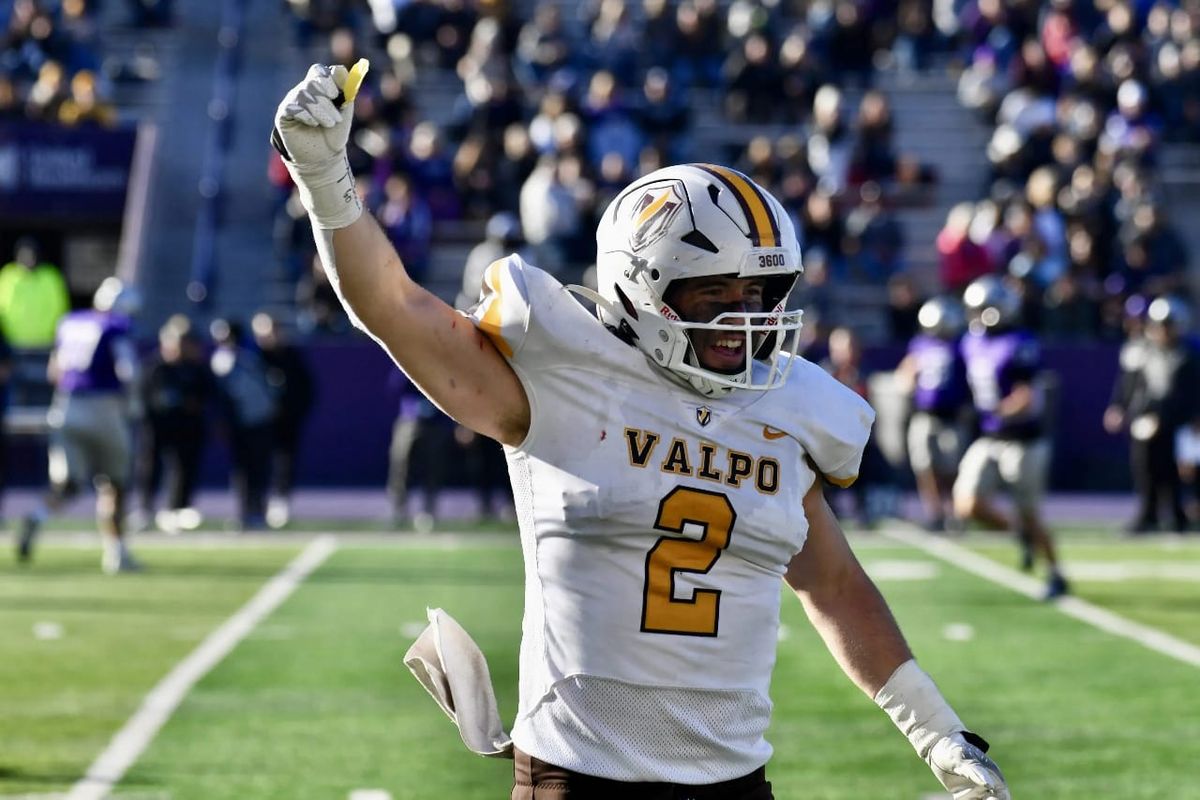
(452, 668)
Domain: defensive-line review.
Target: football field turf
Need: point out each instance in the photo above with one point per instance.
(314, 701)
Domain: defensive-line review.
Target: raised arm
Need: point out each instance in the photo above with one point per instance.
(858, 628)
(440, 349)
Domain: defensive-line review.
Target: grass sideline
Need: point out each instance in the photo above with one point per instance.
(316, 704)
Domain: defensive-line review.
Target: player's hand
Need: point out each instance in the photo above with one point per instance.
(312, 126)
(309, 128)
(960, 762)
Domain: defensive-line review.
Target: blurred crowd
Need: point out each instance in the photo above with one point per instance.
(1081, 96)
(545, 117)
(53, 64)
(547, 114)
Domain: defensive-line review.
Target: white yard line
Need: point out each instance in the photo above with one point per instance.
(961, 557)
(131, 741)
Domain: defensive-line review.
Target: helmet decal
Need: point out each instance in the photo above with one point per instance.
(654, 212)
(764, 228)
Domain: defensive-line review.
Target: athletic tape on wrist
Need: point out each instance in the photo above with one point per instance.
(913, 702)
(327, 191)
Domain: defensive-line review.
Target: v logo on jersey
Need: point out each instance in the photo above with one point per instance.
(703, 415)
(771, 434)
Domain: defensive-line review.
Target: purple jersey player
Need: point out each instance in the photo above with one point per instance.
(934, 373)
(93, 367)
(1012, 452)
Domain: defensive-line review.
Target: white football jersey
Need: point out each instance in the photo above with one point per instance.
(656, 524)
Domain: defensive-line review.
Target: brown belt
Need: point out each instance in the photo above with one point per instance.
(537, 780)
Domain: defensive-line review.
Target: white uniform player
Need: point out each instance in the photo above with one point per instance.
(656, 524)
(664, 457)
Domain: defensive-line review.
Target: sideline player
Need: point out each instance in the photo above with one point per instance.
(934, 374)
(1003, 361)
(94, 371)
(662, 490)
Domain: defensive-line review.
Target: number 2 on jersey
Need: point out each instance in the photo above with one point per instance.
(662, 612)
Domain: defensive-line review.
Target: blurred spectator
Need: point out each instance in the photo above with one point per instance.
(830, 144)
(248, 407)
(517, 162)
(1160, 397)
(503, 237)
(961, 259)
(291, 382)
(823, 229)
(317, 302)
(874, 244)
(430, 168)
(662, 115)
(609, 121)
(697, 60)
(753, 82)
(874, 156)
(84, 107)
(94, 371)
(546, 50)
(801, 74)
(904, 304)
(177, 386)
(33, 297)
(614, 41)
(851, 47)
(10, 106)
(405, 218)
(421, 436)
(845, 363)
(550, 215)
(317, 16)
(47, 93)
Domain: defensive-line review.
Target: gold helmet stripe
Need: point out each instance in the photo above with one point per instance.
(764, 228)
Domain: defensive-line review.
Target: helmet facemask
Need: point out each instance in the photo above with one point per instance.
(761, 335)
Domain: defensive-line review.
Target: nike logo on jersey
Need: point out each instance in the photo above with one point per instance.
(771, 434)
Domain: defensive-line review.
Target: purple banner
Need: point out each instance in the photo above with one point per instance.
(55, 175)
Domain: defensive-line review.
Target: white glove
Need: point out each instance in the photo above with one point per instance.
(960, 762)
(312, 126)
(956, 756)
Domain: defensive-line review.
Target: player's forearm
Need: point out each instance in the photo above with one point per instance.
(367, 274)
(841, 601)
(858, 629)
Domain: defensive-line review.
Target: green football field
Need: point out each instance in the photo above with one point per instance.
(312, 699)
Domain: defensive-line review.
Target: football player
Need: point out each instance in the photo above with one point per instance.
(1003, 361)
(666, 457)
(93, 367)
(934, 374)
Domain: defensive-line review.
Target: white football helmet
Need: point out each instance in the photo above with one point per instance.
(689, 221)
